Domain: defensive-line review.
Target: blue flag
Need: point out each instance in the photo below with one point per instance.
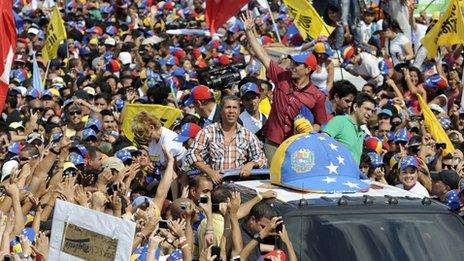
(36, 79)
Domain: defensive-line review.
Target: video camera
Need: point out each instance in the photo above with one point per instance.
(220, 78)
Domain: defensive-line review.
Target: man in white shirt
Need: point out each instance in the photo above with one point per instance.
(408, 177)
(251, 118)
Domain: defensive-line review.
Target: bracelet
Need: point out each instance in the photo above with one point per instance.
(54, 152)
(259, 196)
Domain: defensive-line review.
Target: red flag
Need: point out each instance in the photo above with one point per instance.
(7, 47)
(219, 11)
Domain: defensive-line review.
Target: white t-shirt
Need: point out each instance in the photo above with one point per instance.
(417, 35)
(250, 123)
(369, 68)
(394, 47)
(417, 189)
(167, 139)
(367, 30)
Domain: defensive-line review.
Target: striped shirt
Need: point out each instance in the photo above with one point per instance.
(209, 147)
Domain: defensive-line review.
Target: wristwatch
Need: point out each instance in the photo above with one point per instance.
(258, 238)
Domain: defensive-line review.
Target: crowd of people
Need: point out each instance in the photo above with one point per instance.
(67, 142)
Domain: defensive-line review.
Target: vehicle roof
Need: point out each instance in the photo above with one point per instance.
(377, 198)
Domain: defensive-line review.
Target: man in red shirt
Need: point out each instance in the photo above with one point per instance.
(293, 90)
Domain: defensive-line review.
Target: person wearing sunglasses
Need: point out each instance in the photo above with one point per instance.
(74, 118)
(29, 154)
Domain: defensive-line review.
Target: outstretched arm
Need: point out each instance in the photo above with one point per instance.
(255, 45)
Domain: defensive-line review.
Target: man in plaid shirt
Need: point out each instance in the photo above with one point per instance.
(226, 145)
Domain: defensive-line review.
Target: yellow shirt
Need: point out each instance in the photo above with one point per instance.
(218, 226)
(265, 106)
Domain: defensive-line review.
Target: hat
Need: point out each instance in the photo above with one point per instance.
(125, 58)
(408, 161)
(449, 177)
(93, 41)
(58, 82)
(95, 29)
(15, 148)
(307, 58)
(445, 122)
(113, 163)
(323, 48)
(436, 107)
(81, 149)
(187, 131)
(402, 135)
(68, 165)
(87, 133)
(110, 41)
(387, 112)
(436, 15)
(34, 136)
(317, 163)
(90, 91)
(436, 81)
(94, 123)
(347, 53)
(374, 144)
(8, 167)
(15, 125)
(76, 159)
(33, 30)
(140, 200)
(34, 93)
(249, 87)
(199, 93)
(414, 141)
(376, 159)
(21, 90)
(81, 94)
(46, 94)
(123, 155)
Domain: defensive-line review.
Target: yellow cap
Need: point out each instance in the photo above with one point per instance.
(436, 15)
(93, 41)
(68, 165)
(54, 92)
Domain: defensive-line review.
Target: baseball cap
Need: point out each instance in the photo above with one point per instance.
(68, 165)
(249, 87)
(34, 136)
(94, 123)
(15, 125)
(34, 93)
(323, 48)
(376, 159)
(88, 133)
(113, 163)
(140, 200)
(347, 53)
(198, 93)
(76, 159)
(402, 135)
(436, 107)
(123, 155)
(125, 58)
(14, 148)
(46, 95)
(187, 131)
(33, 30)
(8, 167)
(449, 177)
(81, 149)
(110, 41)
(385, 112)
(307, 58)
(408, 161)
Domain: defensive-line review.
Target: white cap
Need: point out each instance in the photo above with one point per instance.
(33, 30)
(8, 168)
(21, 89)
(436, 107)
(110, 41)
(90, 90)
(125, 58)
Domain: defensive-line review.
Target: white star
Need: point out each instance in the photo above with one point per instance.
(351, 184)
(332, 146)
(341, 160)
(329, 180)
(321, 138)
(332, 168)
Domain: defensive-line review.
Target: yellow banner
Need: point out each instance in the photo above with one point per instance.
(434, 127)
(56, 33)
(307, 20)
(448, 30)
(166, 114)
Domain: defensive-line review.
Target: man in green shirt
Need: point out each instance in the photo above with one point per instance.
(346, 129)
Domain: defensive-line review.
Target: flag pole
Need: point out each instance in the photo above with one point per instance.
(274, 23)
(46, 73)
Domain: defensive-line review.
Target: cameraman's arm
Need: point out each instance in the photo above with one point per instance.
(255, 45)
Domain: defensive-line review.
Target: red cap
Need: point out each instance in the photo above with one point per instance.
(199, 93)
(223, 59)
(311, 62)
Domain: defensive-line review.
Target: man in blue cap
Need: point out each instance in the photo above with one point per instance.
(251, 117)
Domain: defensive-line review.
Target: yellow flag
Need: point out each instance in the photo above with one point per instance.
(166, 114)
(434, 127)
(448, 30)
(307, 20)
(56, 33)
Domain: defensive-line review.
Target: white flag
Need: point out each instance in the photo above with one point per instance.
(263, 3)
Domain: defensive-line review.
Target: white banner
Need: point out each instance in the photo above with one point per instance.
(80, 233)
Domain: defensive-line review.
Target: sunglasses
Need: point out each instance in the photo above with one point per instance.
(71, 113)
(22, 158)
(38, 109)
